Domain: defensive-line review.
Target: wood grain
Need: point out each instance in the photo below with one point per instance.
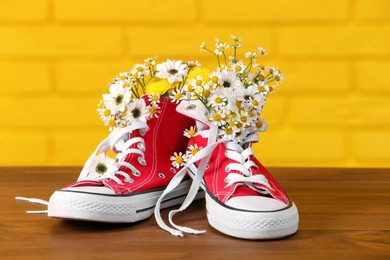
(344, 213)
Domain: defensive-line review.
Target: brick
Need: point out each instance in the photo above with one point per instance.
(24, 77)
(42, 111)
(371, 76)
(23, 10)
(314, 77)
(281, 148)
(325, 41)
(51, 41)
(75, 148)
(340, 111)
(88, 76)
(123, 10)
(183, 42)
(371, 145)
(34, 149)
(372, 9)
(275, 10)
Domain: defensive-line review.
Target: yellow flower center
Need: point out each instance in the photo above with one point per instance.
(206, 93)
(107, 112)
(259, 124)
(229, 131)
(179, 159)
(153, 110)
(261, 88)
(218, 100)
(194, 150)
(112, 122)
(191, 132)
(190, 88)
(214, 79)
(217, 117)
(255, 102)
(140, 69)
(243, 119)
(198, 82)
(238, 68)
(177, 96)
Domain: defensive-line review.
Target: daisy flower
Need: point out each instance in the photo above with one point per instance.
(101, 165)
(220, 47)
(190, 132)
(229, 79)
(177, 95)
(238, 67)
(137, 111)
(118, 98)
(192, 150)
(154, 110)
(218, 99)
(154, 98)
(218, 117)
(178, 159)
(172, 70)
(229, 131)
(139, 70)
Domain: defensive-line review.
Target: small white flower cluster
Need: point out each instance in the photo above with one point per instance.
(119, 109)
(235, 92)
(125, 105)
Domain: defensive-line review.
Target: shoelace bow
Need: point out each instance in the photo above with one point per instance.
(234, 151)
(117, 141)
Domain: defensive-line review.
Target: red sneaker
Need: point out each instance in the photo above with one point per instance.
(242, 198)
(130, 193)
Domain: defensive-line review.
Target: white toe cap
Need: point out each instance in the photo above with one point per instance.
(255, 203)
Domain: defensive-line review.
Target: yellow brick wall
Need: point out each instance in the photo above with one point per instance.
(57, 56)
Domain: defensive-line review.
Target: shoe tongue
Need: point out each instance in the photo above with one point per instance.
(194, 109)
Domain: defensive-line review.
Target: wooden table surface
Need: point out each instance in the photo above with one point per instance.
(344, 214)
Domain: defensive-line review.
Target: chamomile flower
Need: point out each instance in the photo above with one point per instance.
(192, 150)
(137, 111)
(178, 159)
(139, 70)
(220, 47)
(118, 98)
(100, 166)
(238, 67)
(218, 99)
(229, 131)
(154, 110)
(177, 95)
(217, 117)
(154, 98)
(190, 132)
(172, 70)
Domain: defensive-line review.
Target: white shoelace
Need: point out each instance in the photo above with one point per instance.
(117, 141)
(235, 152)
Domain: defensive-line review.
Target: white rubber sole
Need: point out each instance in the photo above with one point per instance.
(130, 208)
(252, 224)
(256, 225)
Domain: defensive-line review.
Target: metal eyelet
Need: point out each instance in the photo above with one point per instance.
(141, 161)
(173, 170)
(191, 107)
(141, 146)
(161, 175)
(227, 169)
(207, 166)
(226, 179)
(137, 173)
(129, 180)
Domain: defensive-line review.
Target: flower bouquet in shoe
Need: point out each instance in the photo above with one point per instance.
(145, 130)
(242, 198)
